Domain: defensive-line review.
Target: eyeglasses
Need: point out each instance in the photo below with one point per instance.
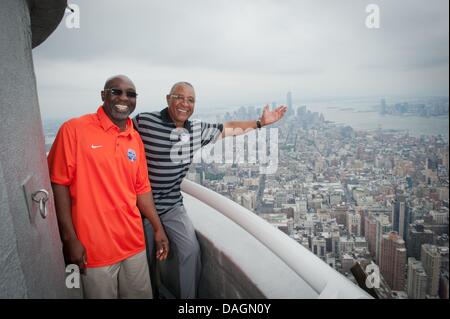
(119, 92)
(181, 98)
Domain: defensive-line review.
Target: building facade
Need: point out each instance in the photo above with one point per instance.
(393, 260)
(417, 279)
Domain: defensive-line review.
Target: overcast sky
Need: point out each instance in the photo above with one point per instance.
(244, 52)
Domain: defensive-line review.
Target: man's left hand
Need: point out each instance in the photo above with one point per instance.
(269, 117)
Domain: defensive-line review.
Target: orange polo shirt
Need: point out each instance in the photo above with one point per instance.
(105, 170)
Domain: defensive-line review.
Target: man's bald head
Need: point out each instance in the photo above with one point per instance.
(109, 82)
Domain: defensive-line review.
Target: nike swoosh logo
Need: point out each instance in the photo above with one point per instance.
(96, 146)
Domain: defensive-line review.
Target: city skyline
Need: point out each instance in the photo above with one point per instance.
(352, 197)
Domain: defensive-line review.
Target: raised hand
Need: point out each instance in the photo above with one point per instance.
(269, 117)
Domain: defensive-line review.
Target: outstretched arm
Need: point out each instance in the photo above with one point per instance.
(234, 128)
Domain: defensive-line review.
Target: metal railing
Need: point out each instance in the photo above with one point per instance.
(327, 282)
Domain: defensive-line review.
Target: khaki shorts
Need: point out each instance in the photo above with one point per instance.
(126, 279)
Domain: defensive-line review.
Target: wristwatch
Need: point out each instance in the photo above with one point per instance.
(258, 124)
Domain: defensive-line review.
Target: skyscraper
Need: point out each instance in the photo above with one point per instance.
(418, 236)
(301, 111)
(354, 223)
(371, 234)
(393, 260)
(401, 216)
(417, 279)
(319, 246)
(289, 101)
(383, 227)
(431, 261)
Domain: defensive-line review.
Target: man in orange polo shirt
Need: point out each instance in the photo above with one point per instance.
(99, 177)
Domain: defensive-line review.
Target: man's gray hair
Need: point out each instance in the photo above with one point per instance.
(180, 83)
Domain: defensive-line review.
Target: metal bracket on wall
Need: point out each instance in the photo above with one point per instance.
(41, 197)
(35, 197)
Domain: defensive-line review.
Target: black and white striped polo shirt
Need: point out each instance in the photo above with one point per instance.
(169, 153)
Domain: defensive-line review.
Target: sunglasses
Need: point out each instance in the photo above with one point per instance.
(119, 92)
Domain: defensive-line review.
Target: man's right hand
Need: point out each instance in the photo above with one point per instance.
(162, 244)
(73, 250)
(74, 253)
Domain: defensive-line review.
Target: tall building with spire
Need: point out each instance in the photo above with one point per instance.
(289, 99)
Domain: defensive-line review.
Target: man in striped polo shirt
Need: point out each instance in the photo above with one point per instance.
(170, 141)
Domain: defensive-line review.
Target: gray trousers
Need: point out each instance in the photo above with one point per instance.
(180, 272)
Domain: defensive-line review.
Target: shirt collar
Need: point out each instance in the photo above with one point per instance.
(165, 117)
(107, 124)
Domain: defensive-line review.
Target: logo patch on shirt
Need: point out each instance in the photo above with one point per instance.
(185, 138)
(131, 155)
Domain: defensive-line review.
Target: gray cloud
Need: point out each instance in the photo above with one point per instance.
(245, 52)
